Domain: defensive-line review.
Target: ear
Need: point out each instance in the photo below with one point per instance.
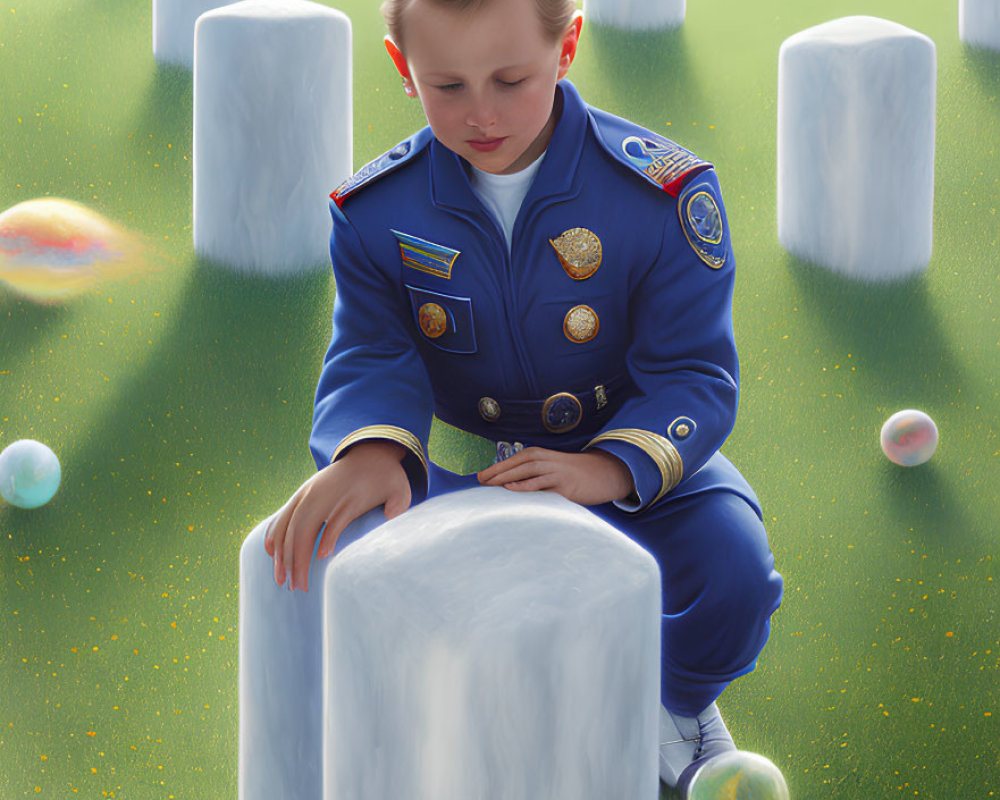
(569, 43)
(397, 58)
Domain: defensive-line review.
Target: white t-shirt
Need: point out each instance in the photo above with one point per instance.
(503, 194)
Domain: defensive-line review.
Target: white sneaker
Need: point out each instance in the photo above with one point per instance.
(686, 743)
(679, 739)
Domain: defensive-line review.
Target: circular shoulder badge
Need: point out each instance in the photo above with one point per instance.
(702, 223)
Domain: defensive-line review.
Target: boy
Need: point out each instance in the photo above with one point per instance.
(536, 271)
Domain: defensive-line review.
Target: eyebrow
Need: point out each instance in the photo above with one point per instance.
(454, 76)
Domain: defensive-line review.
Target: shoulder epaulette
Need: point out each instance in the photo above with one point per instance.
(381, 166)
(659, 160)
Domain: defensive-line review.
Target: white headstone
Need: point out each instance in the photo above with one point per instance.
(272, 132)
(484, 644)
(856, 114)
(173, 29)
(979, 22)
(635, 14)
(281, 673)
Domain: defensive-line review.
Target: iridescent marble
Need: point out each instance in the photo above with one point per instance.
(53, 249)
(909, 437)
(738, 775)
(29, 474)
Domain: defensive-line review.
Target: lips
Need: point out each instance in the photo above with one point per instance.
(486, 145)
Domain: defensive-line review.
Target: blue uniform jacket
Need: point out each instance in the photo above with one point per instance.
(608, 324)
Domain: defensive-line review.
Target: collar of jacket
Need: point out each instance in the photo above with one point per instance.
(558, 177)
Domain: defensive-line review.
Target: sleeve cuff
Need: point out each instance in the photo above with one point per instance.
(669, 469)
(415, 462)
(645, 476)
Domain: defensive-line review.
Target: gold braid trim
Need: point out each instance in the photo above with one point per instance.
(661, 450)
(390, 432)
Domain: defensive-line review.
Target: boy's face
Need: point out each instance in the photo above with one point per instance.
(486, 79)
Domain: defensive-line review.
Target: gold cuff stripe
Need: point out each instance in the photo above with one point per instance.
(390, 432)
(663, 453)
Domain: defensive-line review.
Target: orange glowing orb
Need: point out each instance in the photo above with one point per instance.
(52, 249)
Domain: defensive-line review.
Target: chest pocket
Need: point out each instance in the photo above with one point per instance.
(444, 320)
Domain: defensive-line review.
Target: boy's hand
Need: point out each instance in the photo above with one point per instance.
(368, 475)
(587, 478)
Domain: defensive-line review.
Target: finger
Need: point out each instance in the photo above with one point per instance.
(303, 553)
(519, 472)
(515, 460)
(269, 537)
(487, 474)
(536, 484)
(279, 532)
(502, 468)
(279, 520)
(302, 531)
(303, 549)
(333, 527)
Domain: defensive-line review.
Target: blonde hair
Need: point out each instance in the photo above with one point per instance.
(555, 15)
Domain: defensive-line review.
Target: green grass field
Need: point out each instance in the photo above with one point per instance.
(179, 404)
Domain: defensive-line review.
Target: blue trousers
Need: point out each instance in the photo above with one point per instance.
(718, 578)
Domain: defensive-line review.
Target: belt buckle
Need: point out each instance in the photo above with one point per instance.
(507, 449)
(561, 412)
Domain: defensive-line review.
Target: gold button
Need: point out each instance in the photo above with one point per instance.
(581, 324)
(489, 409)
(433, 320)
(579, 252)
(681, 428)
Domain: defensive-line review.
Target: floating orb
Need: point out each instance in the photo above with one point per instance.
(909, 437)
(29, 474)
(52, 249)
(738, 775)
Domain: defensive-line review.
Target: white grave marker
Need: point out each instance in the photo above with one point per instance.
(979, 23)
(272, 132)
(635, 14)
(856, 113)
(484, 644)
(173, 29)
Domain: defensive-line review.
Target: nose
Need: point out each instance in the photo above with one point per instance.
(482, 111)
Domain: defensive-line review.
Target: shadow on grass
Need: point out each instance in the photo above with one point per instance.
(647, 72)
(204, 436)
(984, 64)
(895, 336)
(218, 412)
(22, 322)
(925, 498)
(666, 793)
(160, 153)
(892, 331)
(168, 104)
(255, 332)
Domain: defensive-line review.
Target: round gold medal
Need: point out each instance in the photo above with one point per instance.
(579, 252)
(433, 320)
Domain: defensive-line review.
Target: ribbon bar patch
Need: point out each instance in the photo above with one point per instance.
(419, 254)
